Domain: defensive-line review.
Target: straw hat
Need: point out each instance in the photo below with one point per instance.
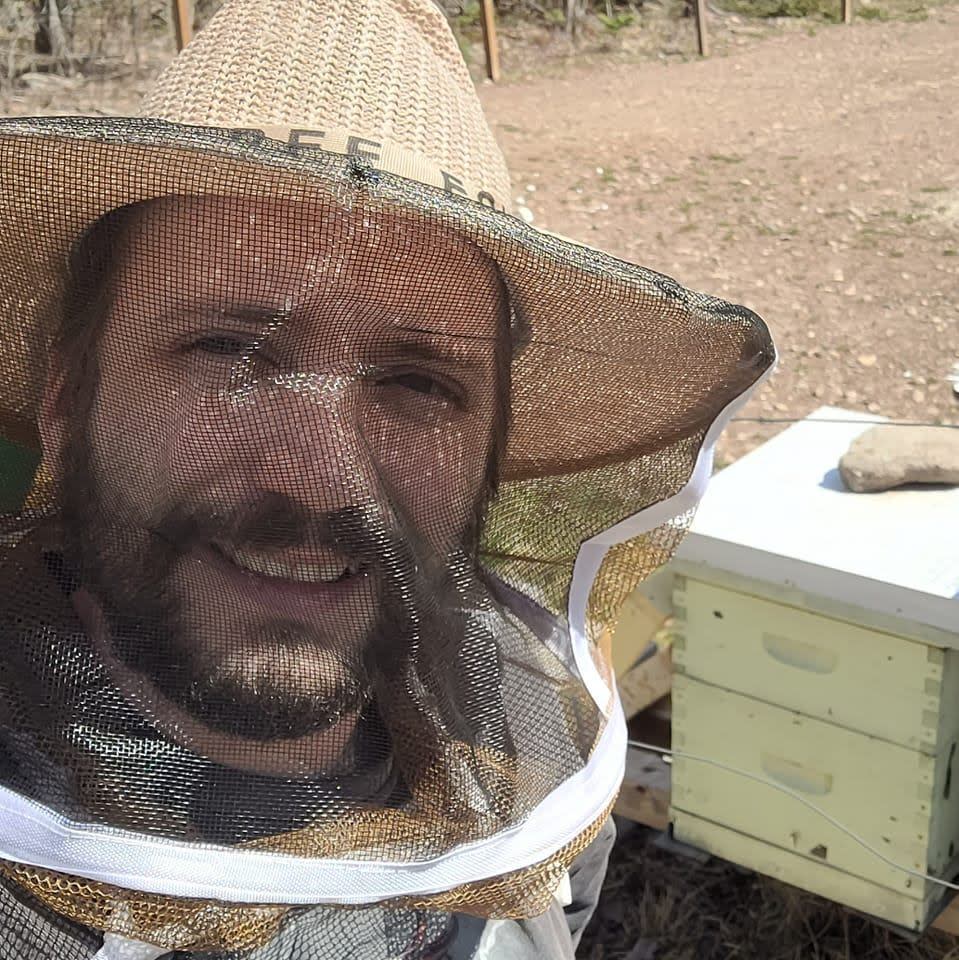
(371, 99)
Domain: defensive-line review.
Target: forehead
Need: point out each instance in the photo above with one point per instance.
(286, 254)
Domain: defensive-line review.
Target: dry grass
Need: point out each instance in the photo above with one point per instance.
(96, 34)
(688, 910)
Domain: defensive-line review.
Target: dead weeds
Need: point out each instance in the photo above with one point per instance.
(683, 909)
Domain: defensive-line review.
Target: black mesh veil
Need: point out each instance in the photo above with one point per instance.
(296, 629)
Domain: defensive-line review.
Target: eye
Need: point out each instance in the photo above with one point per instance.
(423, 384)
(419, 383)
(224, 345)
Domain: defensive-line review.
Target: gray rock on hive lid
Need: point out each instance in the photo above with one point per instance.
(889, 456)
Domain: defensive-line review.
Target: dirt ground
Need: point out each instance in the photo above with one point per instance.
(811, 178)
(806, 170)
(658, 904)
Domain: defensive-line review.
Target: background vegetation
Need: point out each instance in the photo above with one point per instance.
(96, 36)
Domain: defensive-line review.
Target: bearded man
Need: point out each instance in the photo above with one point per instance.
(344, 471)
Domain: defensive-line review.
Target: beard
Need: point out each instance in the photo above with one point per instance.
(275, 678)
(291, 677)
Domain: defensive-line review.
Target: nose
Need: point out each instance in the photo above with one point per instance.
(301, 435)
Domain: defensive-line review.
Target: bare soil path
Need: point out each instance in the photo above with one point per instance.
(812, 178)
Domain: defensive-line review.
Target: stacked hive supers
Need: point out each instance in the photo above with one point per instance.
(817, 649)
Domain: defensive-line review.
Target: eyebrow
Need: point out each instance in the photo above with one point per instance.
(430, 351)
(420, 343)
(249, 314)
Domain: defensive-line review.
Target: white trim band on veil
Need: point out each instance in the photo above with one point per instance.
(35, 835)
(591, 553)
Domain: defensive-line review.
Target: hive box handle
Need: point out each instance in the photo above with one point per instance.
(796, 776)
(798, 653)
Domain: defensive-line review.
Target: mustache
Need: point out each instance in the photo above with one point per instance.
(275, 521)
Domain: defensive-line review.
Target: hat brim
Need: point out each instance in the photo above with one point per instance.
(621, 361)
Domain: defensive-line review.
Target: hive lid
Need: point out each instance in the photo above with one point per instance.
(782, 515)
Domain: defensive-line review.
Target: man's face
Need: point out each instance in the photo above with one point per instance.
(291, 404)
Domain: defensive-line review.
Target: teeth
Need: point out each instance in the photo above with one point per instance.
(325, 570)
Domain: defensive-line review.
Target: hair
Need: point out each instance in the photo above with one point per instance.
(86, 303)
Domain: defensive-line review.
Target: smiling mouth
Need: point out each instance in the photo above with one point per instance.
(324, 569)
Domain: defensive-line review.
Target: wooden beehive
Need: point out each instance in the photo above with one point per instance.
(818, 650)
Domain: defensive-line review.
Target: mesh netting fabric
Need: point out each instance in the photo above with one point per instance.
(263, 931)
(319, 450)
(32, 931)
(286, 595)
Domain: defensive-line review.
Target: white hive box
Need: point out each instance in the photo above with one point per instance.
(818, 648)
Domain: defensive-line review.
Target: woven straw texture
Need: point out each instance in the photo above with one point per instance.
(386, 70)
